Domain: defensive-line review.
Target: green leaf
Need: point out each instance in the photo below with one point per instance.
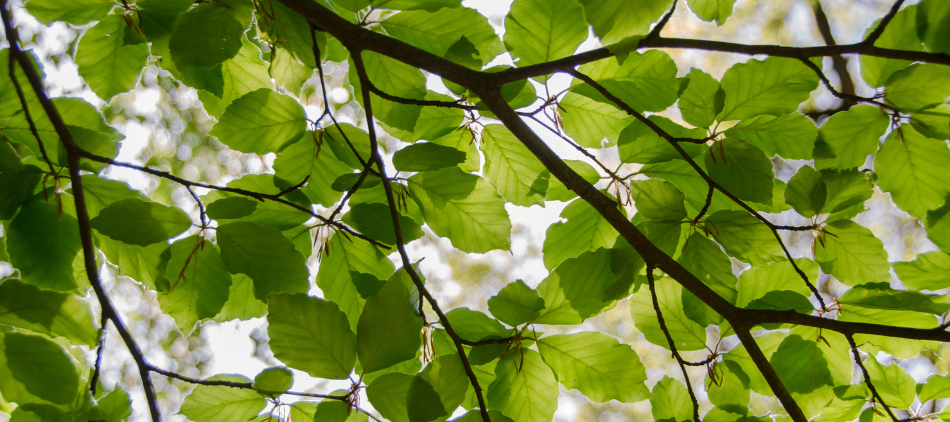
(388, 394)
(434, 123)
(909, 167)
(291, 31)
(516, 304)
(845, 189)
(517, 175)
(437, 30)
(774, 86)
(801, 365)
(538, 31)
(846, 139)
(231, 208)
(424, 402)
(78, 12)
(389, 330)
(375, 221)
(260, 122)
(524, 389)
(305, 158)
(273, 381)
(475, 326)
(115, 406)
(806, 192)
(918, 86)
(900, 348)
(687, 334)
(426, 156)
(241, 302)
(16, 187)
(141, 223)
(852, 254)
(900, 34)
(107, 62)
(335, 411)
(557, 191)
(394, 78)
(742, 169)
(934, 122)
(597, 365)
(658, 200)
(671, 401)
(288, 71)
(758, 281)
(936, 387)
(208, 403)
(462, 207)
(43, 245)
(243, 74)
(882, 296)
(209, 33)
(200, 283)
(346, 258)
(588, 122)
(44, 311)
(705, 260)
(891, 382)
(927, 272)
(265, 255)
(585, 230)
(311, 335)
(644, 81)
(729, 392)
(641, 144)
(703, 98)
(743, 236)
(475, 415)
(618, 21)
(712, 10)
(788, 136)
(37, 370)
(575, 290)
(143, 264)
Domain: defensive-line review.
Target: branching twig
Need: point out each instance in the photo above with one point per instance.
(847, 97)
(672, 141)
(839, 63)
(256, 195)
(655, 32)
(357, 61)
(867, 377)
(671, 342)
(73, 153)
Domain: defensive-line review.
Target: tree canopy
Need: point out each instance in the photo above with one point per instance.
(733, 227)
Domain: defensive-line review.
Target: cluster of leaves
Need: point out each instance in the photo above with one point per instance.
(703, 200)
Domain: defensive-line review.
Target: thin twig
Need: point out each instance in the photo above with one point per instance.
(839, 64)
(655, 32)
(709, 198)
(867, 377)
(874, 35)
(256, 195)
(671, 140)
(357, 61)
(94, 379)
(82, 214)
(12, 36)
(847, 97)
(669, 340)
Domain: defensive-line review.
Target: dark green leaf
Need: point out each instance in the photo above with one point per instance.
(389, 329)
(641, 144)
(142, 223)
(200, 283)
(265, 255)
(44, 311)
(43, 245)
(273, 381)
(37, 369)
(742, 169)
(422, 401)
(209, 34)
(311, 335)
(376, 221)
(231, 208)
(426, 156)
(516, 304)
(16, 187)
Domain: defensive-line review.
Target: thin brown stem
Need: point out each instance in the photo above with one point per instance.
(355, 54)
(867, 378)
(672, 344)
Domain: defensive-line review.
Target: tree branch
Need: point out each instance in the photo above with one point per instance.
(839, 63)
(73, 153)
(256, 195)
(874, 35)
(355, 54)
(867, 377)
(669, 340)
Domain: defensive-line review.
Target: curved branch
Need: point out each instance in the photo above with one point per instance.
(356, 56)
(73, 152)
(867, 377)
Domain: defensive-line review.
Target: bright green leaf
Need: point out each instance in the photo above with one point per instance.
(516, 304)
(311, 335)
(597, 365)
(774, 86)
